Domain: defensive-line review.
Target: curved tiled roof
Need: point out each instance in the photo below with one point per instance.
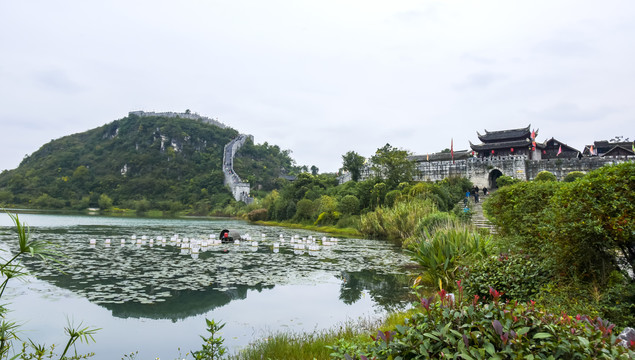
(512, 134)
(505, 145)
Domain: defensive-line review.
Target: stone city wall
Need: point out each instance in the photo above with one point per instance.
(171, 114)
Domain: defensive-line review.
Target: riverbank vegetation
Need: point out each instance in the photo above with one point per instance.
(555, 281)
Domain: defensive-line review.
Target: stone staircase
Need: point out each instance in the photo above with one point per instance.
(478, 219)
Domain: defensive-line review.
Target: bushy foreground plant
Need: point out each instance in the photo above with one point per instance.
(593, 222)
(453, 327)
(518, 275)
(440, 254)
(11, 269)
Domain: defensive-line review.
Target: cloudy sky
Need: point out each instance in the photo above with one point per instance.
(321, 77)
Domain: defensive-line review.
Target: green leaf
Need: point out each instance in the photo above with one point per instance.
(489, 348)
(523, 331)
(432, 336)
(542, 335)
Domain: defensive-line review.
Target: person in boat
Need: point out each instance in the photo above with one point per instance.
(224, 236)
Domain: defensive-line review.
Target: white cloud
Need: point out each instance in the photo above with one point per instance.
(321, 77)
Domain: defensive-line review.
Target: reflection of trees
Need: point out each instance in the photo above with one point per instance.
(387, 290)
(182, 304)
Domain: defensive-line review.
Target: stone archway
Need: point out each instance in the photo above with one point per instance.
(493, 175)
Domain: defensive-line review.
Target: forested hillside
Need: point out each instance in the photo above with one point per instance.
(138, 162)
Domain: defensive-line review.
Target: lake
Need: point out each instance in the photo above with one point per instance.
(154, 297)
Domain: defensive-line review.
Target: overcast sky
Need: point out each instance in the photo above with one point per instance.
(321, 78)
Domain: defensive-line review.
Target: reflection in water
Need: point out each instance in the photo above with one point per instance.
(155, 298)
(182, 304)
(162, 280)
(390, 291)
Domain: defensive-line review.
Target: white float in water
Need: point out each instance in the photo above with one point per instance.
(254, 243)
(144, 237)
(151, 241)
(237, 242)
(276, 245)
(123, 241)
(107, 241)
(92, 241)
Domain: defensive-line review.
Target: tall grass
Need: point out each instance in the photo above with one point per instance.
(398, 222)
(292, 346)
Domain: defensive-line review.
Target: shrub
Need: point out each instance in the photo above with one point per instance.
(348, 221)
(592, 222)
(449, 327)
(517, 275)
(327, 218)
(545, 176)
(391, 197)
(519, 209)
(257, 215)
(573, 176)
(506, 181)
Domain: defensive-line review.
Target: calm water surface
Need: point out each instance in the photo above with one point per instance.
(154, 297)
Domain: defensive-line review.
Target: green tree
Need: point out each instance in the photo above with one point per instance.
(349, 204)
(353, 163)
(304, 209)
(392, 165)
(105, 202)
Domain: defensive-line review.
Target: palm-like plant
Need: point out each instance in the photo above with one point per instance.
(12, 268)
(439, 254)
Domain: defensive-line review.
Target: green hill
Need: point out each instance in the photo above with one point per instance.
(138, 162)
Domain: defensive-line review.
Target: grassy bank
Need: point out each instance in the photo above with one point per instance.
(344, 232)
(317, 345)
